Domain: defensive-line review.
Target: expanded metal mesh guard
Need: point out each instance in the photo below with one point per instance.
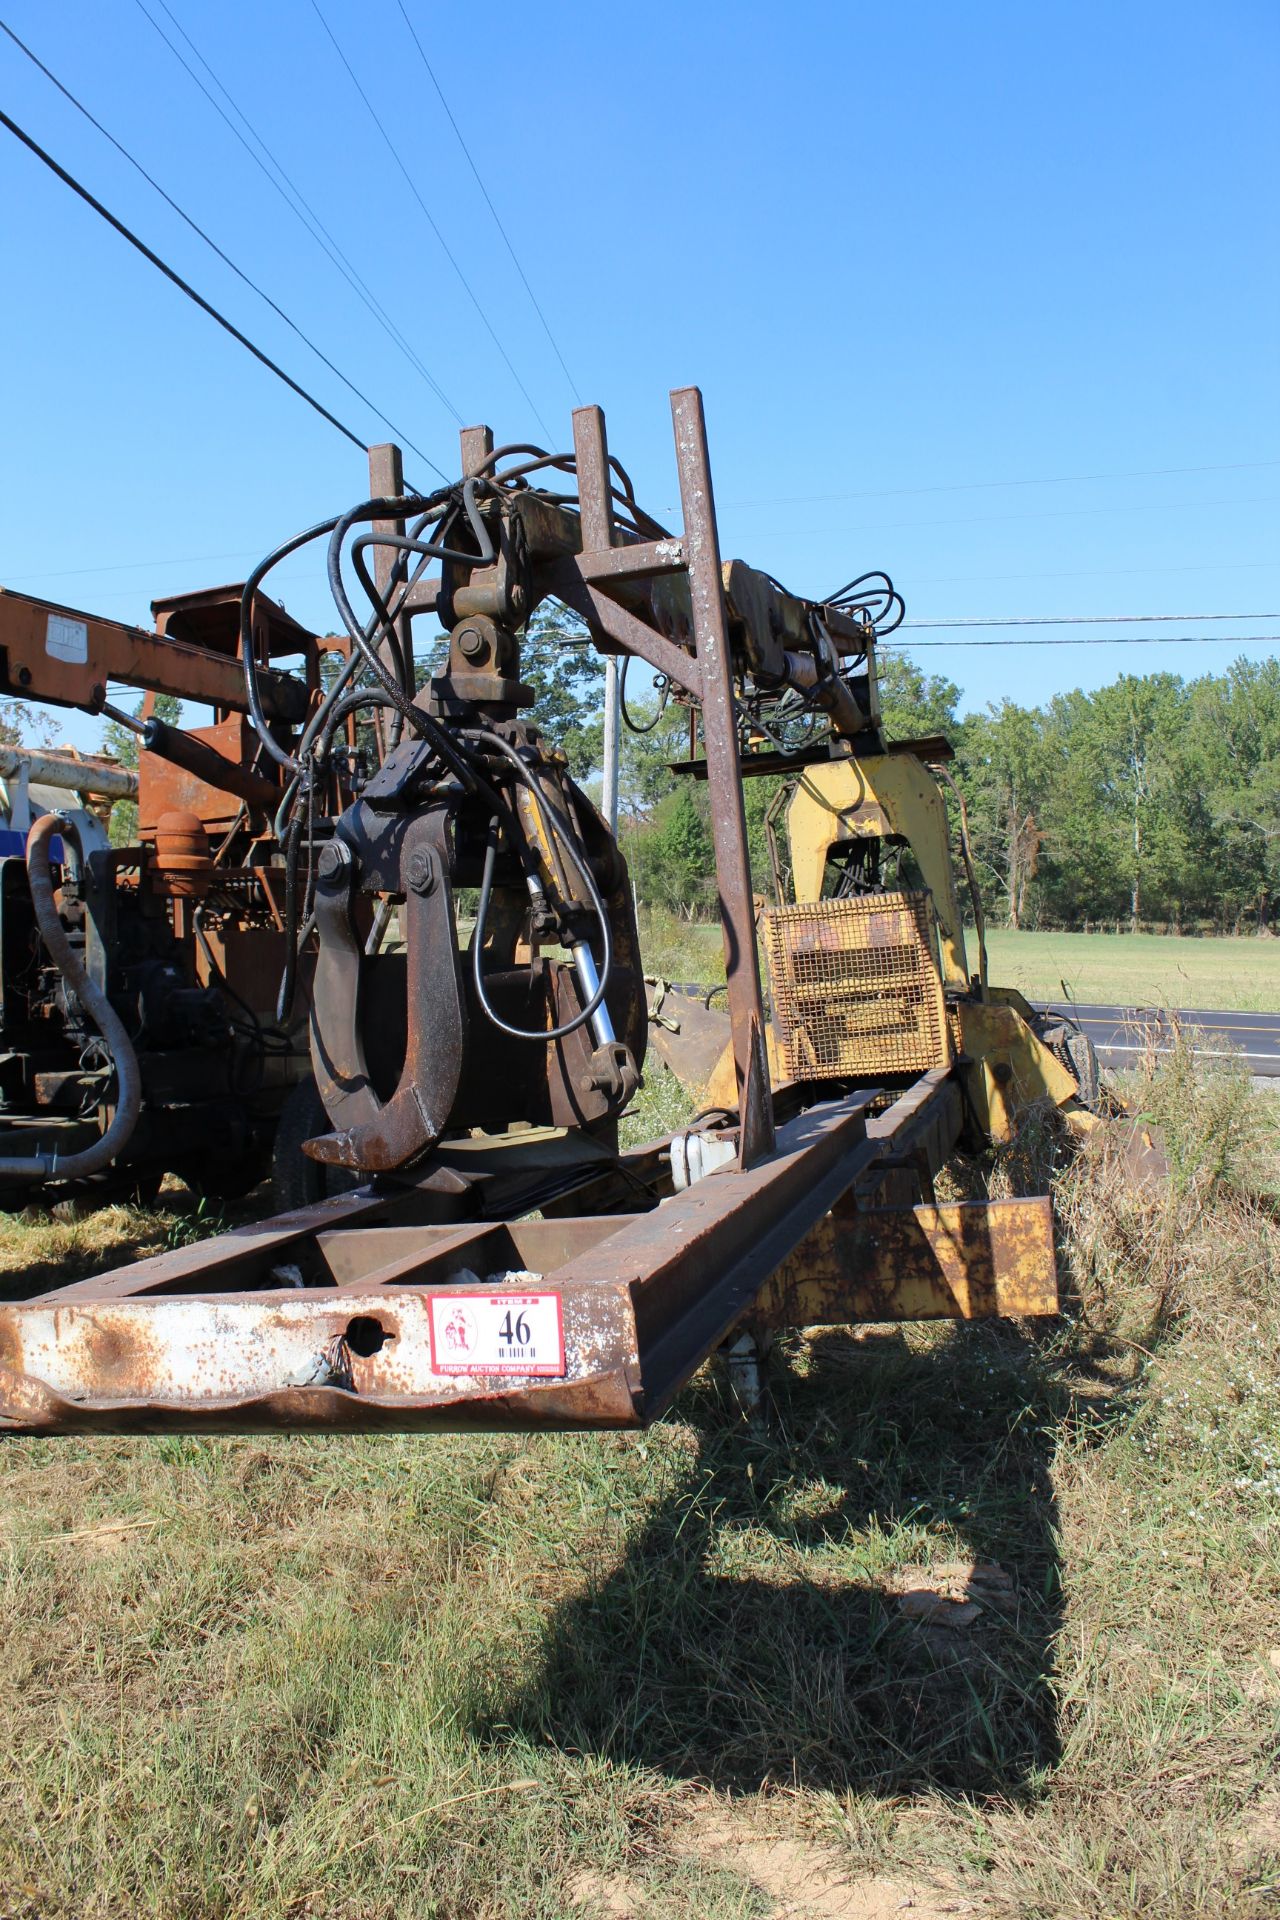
(856, 986)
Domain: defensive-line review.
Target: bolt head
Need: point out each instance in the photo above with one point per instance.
(423, 872)
(334, 860)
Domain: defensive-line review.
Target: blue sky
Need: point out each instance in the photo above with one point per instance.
(985, 296)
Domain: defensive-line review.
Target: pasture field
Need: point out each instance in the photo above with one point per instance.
(671, 1676)
(1138, 969)
(1100, 969)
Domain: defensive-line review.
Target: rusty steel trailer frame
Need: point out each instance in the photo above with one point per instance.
(323, 1318)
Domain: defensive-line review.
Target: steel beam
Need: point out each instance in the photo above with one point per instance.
(724, 781)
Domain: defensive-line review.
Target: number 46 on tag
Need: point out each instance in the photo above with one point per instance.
(497, 1333)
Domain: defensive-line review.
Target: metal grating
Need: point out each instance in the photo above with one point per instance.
(856, 987)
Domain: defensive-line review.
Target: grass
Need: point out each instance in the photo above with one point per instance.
(668, 1674)
(1102, 969)
(1138, 969)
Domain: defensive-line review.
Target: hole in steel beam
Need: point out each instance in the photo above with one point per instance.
(366, 1336)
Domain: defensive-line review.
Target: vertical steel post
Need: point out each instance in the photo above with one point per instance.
(595, 504)
(386, 482)
(724, 775)
(477, 445)
(595, 501)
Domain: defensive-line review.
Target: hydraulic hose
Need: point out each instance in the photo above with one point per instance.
(553, 823)
(75, 1166)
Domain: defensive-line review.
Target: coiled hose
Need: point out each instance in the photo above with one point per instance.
(75, 1166)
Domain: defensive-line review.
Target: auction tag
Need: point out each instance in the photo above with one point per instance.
(67, 639)
(497, 1333)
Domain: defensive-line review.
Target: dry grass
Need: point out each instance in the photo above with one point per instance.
(668, 1675)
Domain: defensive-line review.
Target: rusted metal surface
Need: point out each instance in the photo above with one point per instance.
(371, 1134)
(386, 481)
(688, 1037)
(855, 987)
(185, 932)
(68, 774)
(207, 763)
(326, 1318)
(720, 732)
(969, 1261)
(595, 503)
(61, 655)
(295, 1359)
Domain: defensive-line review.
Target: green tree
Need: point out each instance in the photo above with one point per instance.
(22, 726)
(1234, 757)
(915, 704)
(1004, 773)
(673, 858)
(559, 662)
(1125, 818)
(654, 738)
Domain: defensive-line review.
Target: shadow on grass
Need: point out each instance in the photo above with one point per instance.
(753, 1630)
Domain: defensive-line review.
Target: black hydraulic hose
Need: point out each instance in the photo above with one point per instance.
(349, 703)
(250, 665)
(264, 567)
(568, 840)
(477, 972)
(874, 595)
(432, 549)
(317, 723)
(404, 543)
(566, 463)
(422, 723)
(292, 855)
(75, 1166)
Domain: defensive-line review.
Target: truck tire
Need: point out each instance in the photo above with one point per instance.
(1082, 1059)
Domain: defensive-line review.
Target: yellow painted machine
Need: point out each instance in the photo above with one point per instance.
(867, 960)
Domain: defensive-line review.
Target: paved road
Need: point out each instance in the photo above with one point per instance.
(1118, 1033)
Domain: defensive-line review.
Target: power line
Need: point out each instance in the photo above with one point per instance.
(303, 211)
(546, 326)
(223, 256)
(1088, 619)
(428, 215)
(183, 285)
(1120, 640)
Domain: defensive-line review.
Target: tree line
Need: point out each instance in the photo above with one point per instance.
(1154, 801)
